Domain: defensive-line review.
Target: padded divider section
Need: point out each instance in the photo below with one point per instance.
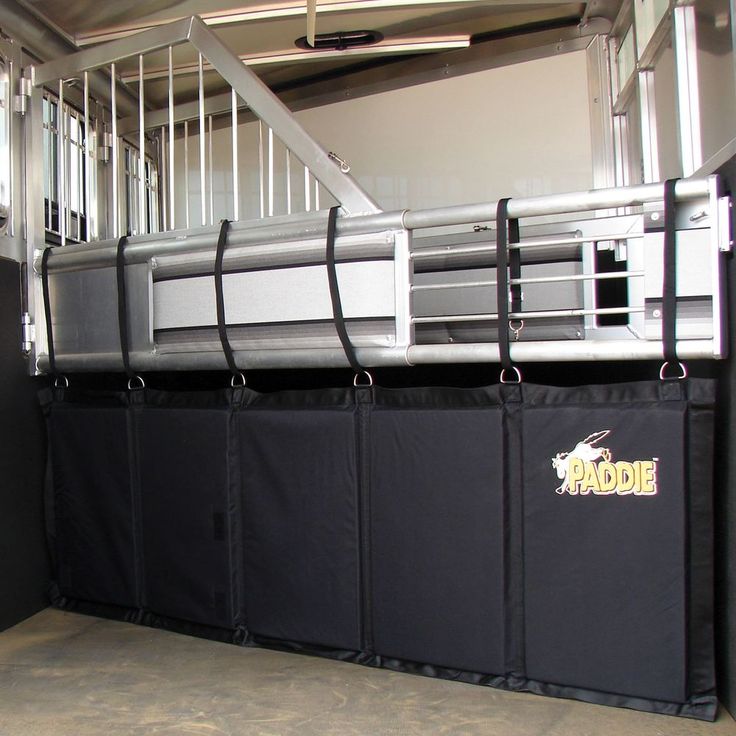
(93, 503)
(187, 514)
(300, 519)
(605, 547)
(437, 529)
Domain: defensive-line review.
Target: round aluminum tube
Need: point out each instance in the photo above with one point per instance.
(522, 352)
(283, 229)
(248, 360)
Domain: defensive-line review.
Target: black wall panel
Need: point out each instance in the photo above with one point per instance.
(24, 568)
(300, 525)
(605, 575)
(95, 545)
(187, 514)
(437, 537)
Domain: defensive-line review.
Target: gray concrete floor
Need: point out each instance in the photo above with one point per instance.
(67, 674)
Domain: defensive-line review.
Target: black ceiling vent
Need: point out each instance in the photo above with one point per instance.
(340, 40)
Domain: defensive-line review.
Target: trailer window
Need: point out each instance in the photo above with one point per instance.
(131, 192)
(4, 145)
(64, 172)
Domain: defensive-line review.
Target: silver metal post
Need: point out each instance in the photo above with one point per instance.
(141, 152)
(50, 178)
(61, 165)
(261, 181)
(270, 172)
(163, 177)
(307, 191)
(234, 114)
(186, 174)
(288, 181)
(80, 178)
(210, 168)
(202, 180)
(686, 56)
(115, 154)
(172, 220)
(87, 160)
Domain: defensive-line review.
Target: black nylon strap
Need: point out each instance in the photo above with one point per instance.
(502, 282)
(123, 306)
(220, 299)
(514, 265)
(337, 314)
(47, 310)
(669, 277)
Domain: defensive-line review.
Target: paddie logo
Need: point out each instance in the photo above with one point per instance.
(591, 469)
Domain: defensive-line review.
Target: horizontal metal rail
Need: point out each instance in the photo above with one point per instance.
(521, 352)
(533, 280)
(548, 243)
(289, 228)
(543, 314)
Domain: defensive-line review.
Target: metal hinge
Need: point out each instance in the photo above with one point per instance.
(23, 96)
(725, 236)
(28, 333)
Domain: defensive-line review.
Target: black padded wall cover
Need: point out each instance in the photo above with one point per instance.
(188, 507)
(437, 528)
(532, 538)
(300, 518)
(94, 543)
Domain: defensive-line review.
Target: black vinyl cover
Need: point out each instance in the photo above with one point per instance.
(532, 538)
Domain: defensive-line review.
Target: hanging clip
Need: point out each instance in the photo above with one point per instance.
(344, 165)
(516, 330)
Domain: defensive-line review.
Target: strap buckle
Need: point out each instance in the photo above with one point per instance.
(240, 383)
(133, 386)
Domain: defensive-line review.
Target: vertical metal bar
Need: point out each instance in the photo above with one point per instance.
(288, 181)
(80, 178)
(686, 56)
(142, 151)
(87, 160)
(172, 221)
(211, 172)
(270, 172)
(649, 148)
(115, 155)
(307, 191)
(316, 194)
(11, 147)
(164, 176)
(202, 179)
(186, 174)
(261, 186)
(47, 108)
(61, 165)
(236, 195)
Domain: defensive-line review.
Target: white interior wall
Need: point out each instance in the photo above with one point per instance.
(518, 130)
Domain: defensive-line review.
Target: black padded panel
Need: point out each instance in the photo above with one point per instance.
(187, 514)
(93, 503)
(604, 575)
(24, 567)
(300, 522)
(437, 536)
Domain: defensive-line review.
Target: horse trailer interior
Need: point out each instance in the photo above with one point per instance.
(367, 367)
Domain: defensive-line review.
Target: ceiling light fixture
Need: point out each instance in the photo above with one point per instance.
(421, 44)
(275, 11)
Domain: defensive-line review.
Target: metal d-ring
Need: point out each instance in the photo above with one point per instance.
(241, 384)
(683, 372)
(61, 382)
(356, 383)
(503, 378)
(132, 385)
